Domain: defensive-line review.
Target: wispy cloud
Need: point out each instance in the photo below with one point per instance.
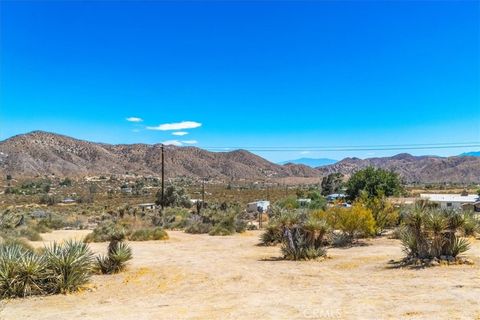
(305, 152)
(190, 141)
(176, 126)
(172, 143)
(179, 133)
(134, 119)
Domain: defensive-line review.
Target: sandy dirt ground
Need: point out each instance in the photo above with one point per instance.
(204, 277)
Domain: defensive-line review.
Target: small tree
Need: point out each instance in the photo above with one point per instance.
(332, 183)
(374, 182)
(174, 197)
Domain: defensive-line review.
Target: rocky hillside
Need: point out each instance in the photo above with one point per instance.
(41, 153)
(415, 169)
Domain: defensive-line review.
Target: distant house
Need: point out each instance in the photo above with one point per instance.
(336, 196)
(69, 200)
(453, 201)
(147, 206)
(258, 206)
(126, 190)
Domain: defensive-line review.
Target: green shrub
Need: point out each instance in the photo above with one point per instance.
(219, 230)
(57, 269)
(432, 233)
(272, 235)
(148, 234)
(70, 266)
(302, 235)
(198, 227)
(115, 261)
(22, 272)
(107, 231)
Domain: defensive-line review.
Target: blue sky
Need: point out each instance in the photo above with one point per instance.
(246, 74)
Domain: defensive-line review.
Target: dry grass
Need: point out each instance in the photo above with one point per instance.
(203, 277)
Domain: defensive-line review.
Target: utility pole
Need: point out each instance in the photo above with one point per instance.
(163, 180)
(203, 193)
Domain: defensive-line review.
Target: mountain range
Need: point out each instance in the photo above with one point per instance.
(311, 162)
(41, 153)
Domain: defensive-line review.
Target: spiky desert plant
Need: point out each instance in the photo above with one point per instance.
(69, 265)
(302, 235)
(22, 272)
(272, 234)
(115, 261)
(430, 233)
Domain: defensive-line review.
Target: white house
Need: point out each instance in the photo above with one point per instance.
(257, 206)
(451, 201)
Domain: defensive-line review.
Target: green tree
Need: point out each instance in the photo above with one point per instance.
(374, 182)
(332, 183)
(174, 197)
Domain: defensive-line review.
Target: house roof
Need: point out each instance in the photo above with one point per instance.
(436, 197)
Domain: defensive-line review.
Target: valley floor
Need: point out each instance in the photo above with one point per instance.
(204, 277)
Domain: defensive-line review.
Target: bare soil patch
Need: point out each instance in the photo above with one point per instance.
(204, 277)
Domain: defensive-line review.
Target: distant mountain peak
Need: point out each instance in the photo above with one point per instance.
(311, 162)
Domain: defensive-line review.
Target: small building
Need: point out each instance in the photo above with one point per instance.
(147, 206)
(126, 190)
(336, 196)
(258, 206)
(68, 200)
(452, 201)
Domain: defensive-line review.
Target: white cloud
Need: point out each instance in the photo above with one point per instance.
(190, 141)
(172, 143)
(179, 133)
(176, 126)
(134, 119)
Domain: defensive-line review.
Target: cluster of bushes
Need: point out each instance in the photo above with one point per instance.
(217, 222)
(124, 229)
(304, 232)
(301, 234)
(428, 234)
(58, 268)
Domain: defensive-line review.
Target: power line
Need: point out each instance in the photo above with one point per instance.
(350, 146)
(358, 148)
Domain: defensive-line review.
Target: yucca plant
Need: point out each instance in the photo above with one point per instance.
(22, 272)
(117, 256)
(302, 235)
(431, 233)
(69, 266)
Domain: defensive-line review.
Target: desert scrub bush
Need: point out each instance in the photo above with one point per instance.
(116, 259)
(471, 225)
(59, 268)
(70, 266)
(272, 235)
(107, 231)
(432, 233)
(148, 234)
(176, 218)
(198, 227)
(355, 222)
(383, 211)
(302, 235)
(22, 272)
